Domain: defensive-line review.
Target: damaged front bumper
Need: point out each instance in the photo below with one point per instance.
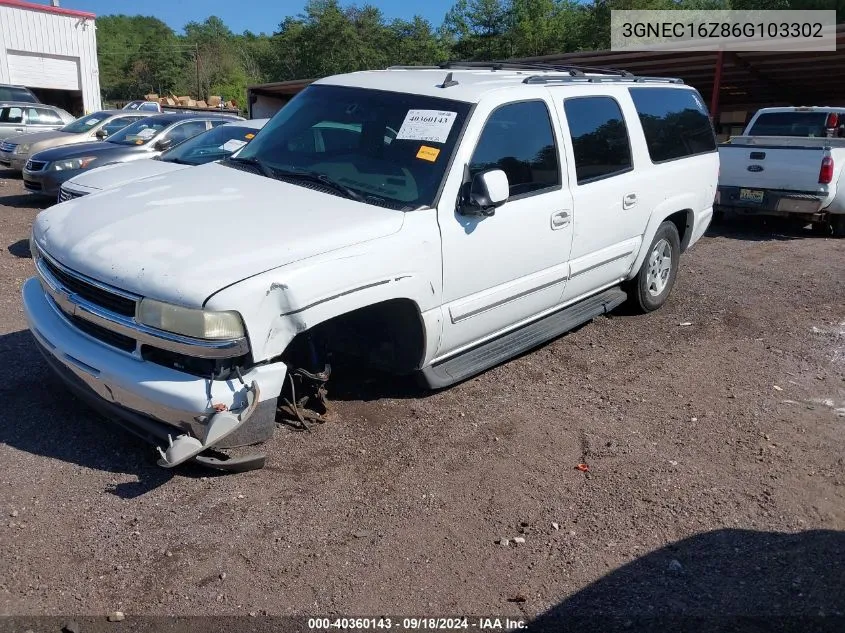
(185, 413)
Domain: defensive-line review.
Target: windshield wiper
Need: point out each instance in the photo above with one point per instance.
(254, 162)
(317, 177)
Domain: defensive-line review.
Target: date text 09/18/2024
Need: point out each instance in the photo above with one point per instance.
(417, 624)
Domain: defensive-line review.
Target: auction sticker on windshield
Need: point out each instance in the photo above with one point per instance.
(427, 125)
(232, 145)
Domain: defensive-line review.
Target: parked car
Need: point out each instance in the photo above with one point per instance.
(143, 106)
(511, 206)
(215, 144)
(15, 151)
(787, 163)
(19, 94)
(17, 118)
(45, 172)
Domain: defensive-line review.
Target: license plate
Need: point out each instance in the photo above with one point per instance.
(751, 195)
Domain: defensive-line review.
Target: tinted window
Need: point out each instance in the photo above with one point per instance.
(518, 139)
(141, 132)
(805, 124)
(675, 122)
(215, 144)
(85, 123)
(404, 173)
(11, 115)
(115, 125)
(599, 137)
(9, 93)
(184, 131)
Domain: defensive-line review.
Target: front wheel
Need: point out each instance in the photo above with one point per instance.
(651, 287)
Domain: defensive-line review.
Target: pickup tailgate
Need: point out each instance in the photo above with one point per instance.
(770, 163)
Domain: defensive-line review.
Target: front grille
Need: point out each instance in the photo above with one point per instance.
(35, 165)
(103, 298)
(108, 337)
(6, 146)
(32, 186)
(65, 195)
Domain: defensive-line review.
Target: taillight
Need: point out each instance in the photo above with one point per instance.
(832, 120)
(826, 171)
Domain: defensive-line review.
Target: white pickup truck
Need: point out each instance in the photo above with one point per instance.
(787, 163)
(435, 221)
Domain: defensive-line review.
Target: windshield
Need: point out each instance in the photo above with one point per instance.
(85, 123)
(390, 146)
(139, 133)
(804, 124)
(212, 145)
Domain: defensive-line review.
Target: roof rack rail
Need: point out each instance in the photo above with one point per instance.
(548, 79)
(571, 70)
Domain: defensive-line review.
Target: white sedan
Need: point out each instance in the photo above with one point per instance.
(215, 144)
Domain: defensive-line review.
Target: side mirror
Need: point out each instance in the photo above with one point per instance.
(488, 190)
(163, 144)
(101, 134)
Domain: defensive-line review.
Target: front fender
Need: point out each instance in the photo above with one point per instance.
(279, 304)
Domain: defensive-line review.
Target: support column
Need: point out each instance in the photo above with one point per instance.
(717, 86)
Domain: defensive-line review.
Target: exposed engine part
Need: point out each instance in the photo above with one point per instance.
(307, 402)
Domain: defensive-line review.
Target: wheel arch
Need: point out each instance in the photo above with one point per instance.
(680, 212)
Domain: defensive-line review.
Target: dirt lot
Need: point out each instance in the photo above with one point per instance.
(715, 483)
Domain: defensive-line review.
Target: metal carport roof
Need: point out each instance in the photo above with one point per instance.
(746, 80)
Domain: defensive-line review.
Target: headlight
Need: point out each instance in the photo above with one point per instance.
(190, 321)
(22, 149)
(72, 163)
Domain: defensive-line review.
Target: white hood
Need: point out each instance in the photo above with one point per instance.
(183, 236)
(110, 176)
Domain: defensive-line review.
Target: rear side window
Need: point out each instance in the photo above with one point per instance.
(599, 137)
(518, 139)
(43, 116)
(803, 124)
(675, 123)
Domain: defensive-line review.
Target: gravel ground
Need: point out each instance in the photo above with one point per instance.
(711, 431)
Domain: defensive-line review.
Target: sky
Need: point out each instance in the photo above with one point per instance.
(240, 15)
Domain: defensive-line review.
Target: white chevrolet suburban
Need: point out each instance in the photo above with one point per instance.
(787, 163)
(430, 220)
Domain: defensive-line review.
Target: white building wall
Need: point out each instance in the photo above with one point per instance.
(57, 40)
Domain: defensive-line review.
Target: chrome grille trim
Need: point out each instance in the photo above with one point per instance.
(35, 165)
(65, 195)
(6, 146)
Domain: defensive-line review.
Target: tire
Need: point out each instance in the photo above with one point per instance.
(837, 223)
(651, 287)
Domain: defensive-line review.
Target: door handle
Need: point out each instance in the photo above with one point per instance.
(560, 219)
(629, 201)
(18, 129)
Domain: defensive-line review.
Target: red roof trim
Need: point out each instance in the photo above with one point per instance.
(46, 8)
